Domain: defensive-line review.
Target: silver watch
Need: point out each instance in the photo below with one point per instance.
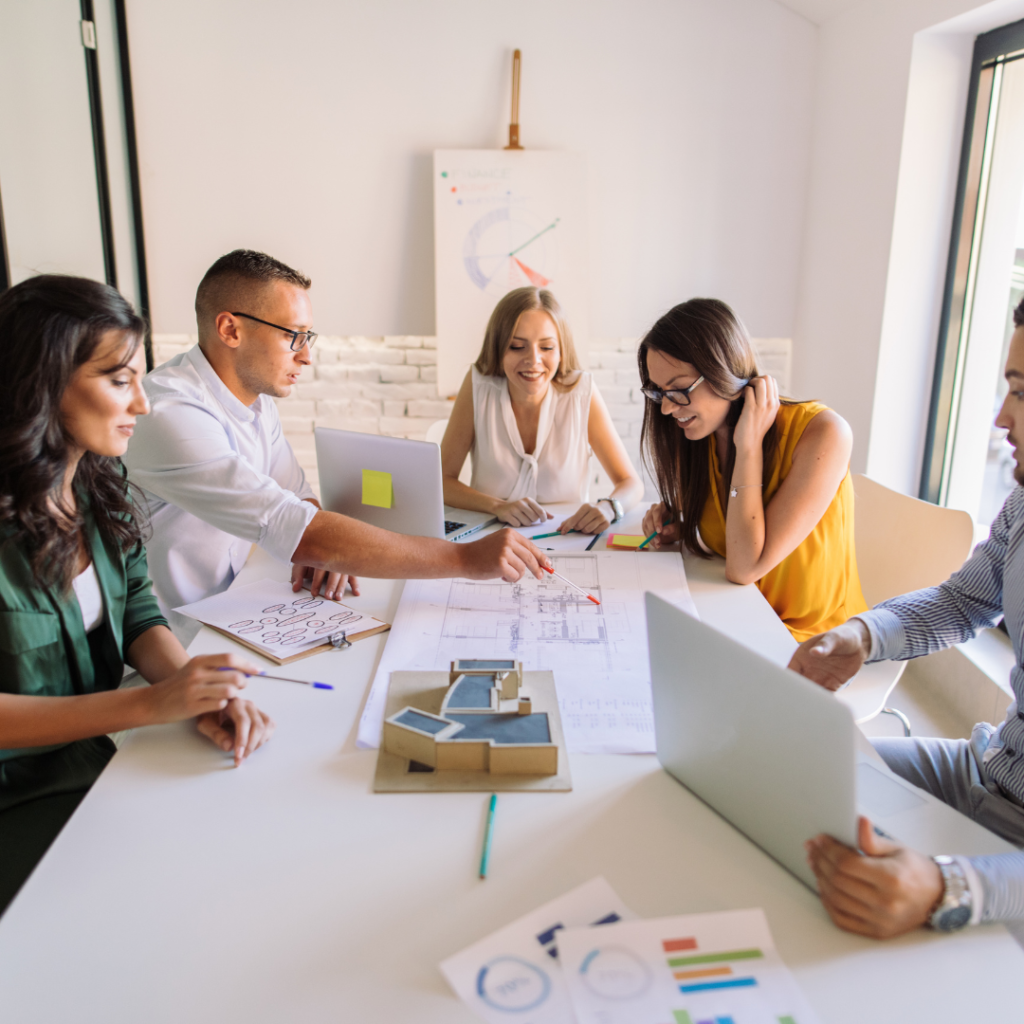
(955, 907)
(616, 507)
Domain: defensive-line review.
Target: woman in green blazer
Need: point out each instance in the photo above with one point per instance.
(76, 602)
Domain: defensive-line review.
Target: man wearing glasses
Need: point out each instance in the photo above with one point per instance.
(218, 474)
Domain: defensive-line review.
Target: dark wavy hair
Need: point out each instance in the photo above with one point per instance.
(707, 334)
(50, 326)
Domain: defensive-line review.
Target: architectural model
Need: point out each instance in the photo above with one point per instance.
(477, 729)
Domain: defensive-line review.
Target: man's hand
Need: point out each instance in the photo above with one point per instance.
(833, 658)
(887, 891)
(506, 554)
(240, 727)
(333, 583)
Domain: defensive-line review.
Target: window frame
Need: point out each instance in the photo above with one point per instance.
(991, 51)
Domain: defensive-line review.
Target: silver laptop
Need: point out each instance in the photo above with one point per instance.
(776, 755)
(410, 502)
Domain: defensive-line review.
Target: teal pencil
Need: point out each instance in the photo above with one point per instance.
(488, 832)
(557, 533)
(648, 541)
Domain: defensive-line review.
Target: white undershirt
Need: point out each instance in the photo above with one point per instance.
(90, 598)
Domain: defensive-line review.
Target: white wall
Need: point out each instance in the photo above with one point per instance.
(47, 169)
(877, 236)
(305, 129)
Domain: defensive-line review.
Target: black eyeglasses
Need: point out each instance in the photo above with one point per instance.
(300, 339)
(675, 395)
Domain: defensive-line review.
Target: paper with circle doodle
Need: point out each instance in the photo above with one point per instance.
(270, 616)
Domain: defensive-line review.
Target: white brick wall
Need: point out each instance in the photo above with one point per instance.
(388, 386)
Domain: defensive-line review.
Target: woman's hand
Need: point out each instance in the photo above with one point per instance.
(760, 407)
(524, 512)
(656, 521)
(205, 684)
(586, 519)
(241, 726)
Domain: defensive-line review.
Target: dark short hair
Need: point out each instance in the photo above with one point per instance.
(1018, 314)
(51, 325)
(235, 280)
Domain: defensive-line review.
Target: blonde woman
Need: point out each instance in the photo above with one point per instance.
(531, 417)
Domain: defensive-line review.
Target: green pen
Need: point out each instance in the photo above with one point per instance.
(557, 533)
(648, 541)
(488, 832)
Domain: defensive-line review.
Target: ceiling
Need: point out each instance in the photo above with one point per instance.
(819, 11)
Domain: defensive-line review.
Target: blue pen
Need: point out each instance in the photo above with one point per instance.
(282, 679)
(488, 832)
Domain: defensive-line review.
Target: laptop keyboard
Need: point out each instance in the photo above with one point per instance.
(450, 527)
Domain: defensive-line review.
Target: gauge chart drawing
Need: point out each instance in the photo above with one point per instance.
(502, 220)
(505, 250)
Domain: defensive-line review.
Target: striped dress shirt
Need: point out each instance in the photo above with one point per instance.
(990, 585)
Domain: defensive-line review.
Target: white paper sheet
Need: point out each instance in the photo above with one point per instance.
(598, 654)
(695, 969)
(569, 542)
(270, 616)
(514, 973)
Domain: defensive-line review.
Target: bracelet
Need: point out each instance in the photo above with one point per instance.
(735, 489)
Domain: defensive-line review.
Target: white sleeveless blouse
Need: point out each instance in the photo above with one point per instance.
(557, 469)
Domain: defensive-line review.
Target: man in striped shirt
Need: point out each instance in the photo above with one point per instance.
(886, 889)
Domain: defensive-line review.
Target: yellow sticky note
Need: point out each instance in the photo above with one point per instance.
(378, 490)
(623, 540)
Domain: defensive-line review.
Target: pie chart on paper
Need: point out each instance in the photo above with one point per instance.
(508, 248)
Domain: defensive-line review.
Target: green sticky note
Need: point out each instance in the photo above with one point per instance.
(378, 490)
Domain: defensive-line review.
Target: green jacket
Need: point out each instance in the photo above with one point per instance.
(44, 649)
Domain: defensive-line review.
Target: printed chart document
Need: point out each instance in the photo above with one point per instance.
(696, 969)
(278, 623)
(514, 973)
(598, 653)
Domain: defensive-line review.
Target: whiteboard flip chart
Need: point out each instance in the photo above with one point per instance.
(502, 220)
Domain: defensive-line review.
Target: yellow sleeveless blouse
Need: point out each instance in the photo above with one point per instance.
(816, 586)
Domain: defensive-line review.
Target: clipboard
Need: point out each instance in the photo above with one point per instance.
(279, 624)
(308, 653)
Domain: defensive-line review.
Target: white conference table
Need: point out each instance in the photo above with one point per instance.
(287, 891)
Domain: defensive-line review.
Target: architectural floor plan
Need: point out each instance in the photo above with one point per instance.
(598, 653)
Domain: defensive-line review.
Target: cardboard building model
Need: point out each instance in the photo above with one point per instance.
(473, 732)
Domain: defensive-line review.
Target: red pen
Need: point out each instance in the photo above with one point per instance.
(589, 597)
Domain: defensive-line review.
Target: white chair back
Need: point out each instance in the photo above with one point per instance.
(435, 432)
(904, 544)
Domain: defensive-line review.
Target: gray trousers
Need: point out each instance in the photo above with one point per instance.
(953, 771)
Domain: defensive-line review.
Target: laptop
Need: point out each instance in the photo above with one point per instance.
(776, 755)
(410, 502)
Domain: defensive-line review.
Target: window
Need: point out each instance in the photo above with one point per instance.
(967, 461)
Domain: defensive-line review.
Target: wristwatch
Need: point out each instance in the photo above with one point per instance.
(955, 907)
(616, 507)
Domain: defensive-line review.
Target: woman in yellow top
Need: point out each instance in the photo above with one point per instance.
(762, 482)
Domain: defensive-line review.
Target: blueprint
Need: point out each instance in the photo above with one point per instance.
(598, 653)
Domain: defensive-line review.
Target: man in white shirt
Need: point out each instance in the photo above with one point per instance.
(218, 474)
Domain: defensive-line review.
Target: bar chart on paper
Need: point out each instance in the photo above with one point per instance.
(699, 969)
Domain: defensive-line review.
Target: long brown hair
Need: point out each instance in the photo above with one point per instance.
(502, 325)
(49, 326)
(709, 336)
